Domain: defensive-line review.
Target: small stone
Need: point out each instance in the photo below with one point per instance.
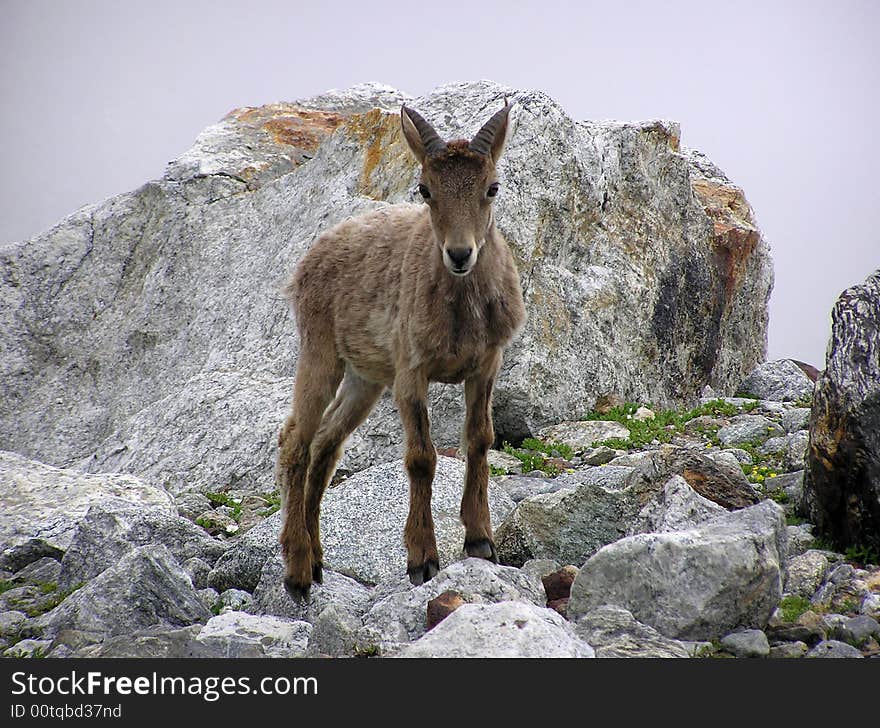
(191, 505)
(871, 605)
(799, 539)
(788, 650)
(747, 643)
(11, 623)
(858, 630)
(210, 598)
(504, 461)
(539, 568)
(198, 570)
(216, 522)
(581, 436)
(643, 413)
(441, 606)
(795, 633)
(748, 428)
(796, 418)
(806, 573)
(600, 455)
(16, 558)
(235, 600)
(29, 648)
(834, 648)
(558, 584)
(41, 571)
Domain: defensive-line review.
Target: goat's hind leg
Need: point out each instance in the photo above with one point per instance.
(317, 377)
(354, 401)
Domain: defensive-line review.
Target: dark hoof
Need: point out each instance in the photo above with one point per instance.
(318, 573)
(482, 549)
(418, 575)
(298, 592)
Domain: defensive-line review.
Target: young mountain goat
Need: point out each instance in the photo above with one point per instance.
(400, 297)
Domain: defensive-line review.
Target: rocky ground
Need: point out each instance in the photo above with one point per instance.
(636, 532)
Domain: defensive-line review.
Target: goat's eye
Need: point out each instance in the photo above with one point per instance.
(493, 189)
(424, 192)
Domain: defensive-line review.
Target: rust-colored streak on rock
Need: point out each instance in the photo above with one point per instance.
(735, 235)
(289, 124)
(388, 165)
(441, 606)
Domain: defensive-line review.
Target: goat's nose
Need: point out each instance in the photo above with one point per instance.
(459, 256)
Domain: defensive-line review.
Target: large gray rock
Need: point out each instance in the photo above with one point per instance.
(677, 507)
(716, 476)
(157, 641)
(401, 615)
(643, 271)
(614, 632)
(45, 503)
(113, 527)
(362, 519)
(805, 573)
(594, 507)
(842, 480)
(507, 629)
(362, 522)
(337, 590)
(779, 380)
(239, 634)
(696, 584)
(745, 429)
(144, 588)
(580, 436)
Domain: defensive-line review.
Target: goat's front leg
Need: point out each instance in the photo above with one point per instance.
(479, 436)
(411, 394)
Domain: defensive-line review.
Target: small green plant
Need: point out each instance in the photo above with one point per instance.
(6, 585)
(367, 651)
(862, 554)
(493, 470)
(665, 424)
(273, 498)
(224, 499)
(534, 454)
(794, 520)
(793, 607)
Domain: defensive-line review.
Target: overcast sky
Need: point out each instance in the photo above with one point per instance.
(98, 95)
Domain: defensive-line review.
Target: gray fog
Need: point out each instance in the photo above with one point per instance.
(98, 95)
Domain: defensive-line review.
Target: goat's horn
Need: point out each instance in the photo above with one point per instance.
(482, 142)
(430, 140)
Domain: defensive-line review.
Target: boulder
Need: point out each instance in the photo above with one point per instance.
(715, 476)
(506, 629)
(337, 590)
(594, 507)
(46, 503)
(239, 634)
(112, 528)
(746, 429)
(581, 436)
(401, 616)
(613, 632)
(677, 507)
(834, 649)
(842, 479)
(644, 274)
(805, 573)
(746, 643)
(145, 587)
(157, 641)
(781, 380)
(695, 584)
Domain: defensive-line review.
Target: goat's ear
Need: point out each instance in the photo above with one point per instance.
(411, 134)
(491, 138)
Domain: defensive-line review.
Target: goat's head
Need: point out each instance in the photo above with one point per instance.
(459, 183)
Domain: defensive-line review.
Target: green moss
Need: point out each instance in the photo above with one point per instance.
(367, 651)
(793, 607)
(6, 585)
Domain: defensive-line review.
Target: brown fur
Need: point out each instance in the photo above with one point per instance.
(377, 306)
